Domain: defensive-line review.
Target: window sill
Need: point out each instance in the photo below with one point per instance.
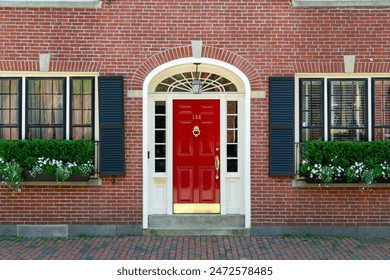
(300, 183)
(338, 3)
(52, 4)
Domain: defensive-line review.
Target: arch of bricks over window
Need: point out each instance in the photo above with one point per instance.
(182, 82)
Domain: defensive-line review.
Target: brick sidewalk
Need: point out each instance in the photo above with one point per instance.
(184, 248)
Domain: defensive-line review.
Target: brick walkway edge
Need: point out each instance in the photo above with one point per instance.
(193, 248)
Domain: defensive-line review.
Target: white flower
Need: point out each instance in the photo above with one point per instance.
(62, 170)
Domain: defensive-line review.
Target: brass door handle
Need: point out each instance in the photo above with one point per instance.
(217, 167)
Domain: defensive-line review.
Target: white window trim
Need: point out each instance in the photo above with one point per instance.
(338, 3)
(52, 3)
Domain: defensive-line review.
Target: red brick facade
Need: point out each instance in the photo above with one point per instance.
(131, 38)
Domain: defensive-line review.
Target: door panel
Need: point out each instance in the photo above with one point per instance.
(196, 144)
(185, 184)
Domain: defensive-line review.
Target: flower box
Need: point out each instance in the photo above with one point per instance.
(78, 178)
(41, 177)
(382, 180)
(334, 162)
(312, 180)
(337, 180)
(65, 159)
(52, 178)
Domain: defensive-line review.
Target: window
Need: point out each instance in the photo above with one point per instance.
(46, 112)
(82, 108)
(159, 136)
(232, 136)
(45, 108)
(312, 107)
(381, 107)
(9, 108)
(348, 110)
(182, 82)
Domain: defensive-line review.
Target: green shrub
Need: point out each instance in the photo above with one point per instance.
(27, 152)
(346, 153)
(61, 158)
(357, 161)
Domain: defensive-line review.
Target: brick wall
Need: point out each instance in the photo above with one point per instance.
(262, 38)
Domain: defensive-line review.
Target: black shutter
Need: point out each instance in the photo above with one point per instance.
(112, 154)
(281, 126)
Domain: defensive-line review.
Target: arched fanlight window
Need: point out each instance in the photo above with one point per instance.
(182, 82)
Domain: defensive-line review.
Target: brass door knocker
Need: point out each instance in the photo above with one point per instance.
(196, 131)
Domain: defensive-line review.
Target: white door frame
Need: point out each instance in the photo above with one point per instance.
(146, 114)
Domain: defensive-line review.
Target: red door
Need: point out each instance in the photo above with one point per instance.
(196, 152)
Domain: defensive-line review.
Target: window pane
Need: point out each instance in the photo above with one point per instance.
(87, 101)
(160, 121)
(87, 117)
(311, 109)
(81, 117)
(77, 101)
(232, 107)
(159, 165)
(82, 133)
(232, 136)
(77, 86)
(14, 117)
(160, 136)
(87, 86)
(232, 121)
(58, 117)
(160, 151)
(381, 116)
(45, 108)
(82, 107)
(160, 107)
(348, 110)
(9, 133)
(9, 108)
(382, 133)
(232, 165)
(347, 134)
(45, 133)
(77, 116)
(232, 150)
(57, 87)
(311, 134)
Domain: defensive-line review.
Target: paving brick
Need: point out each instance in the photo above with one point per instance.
(194, 248)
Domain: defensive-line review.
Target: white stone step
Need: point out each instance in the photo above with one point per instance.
(187, 224)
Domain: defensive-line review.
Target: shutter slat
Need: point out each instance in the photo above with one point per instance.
(281, 125)
(111, 114)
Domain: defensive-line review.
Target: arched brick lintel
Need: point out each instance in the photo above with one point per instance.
(186, 51)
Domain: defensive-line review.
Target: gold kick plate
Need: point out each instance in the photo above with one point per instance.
(196, 208)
